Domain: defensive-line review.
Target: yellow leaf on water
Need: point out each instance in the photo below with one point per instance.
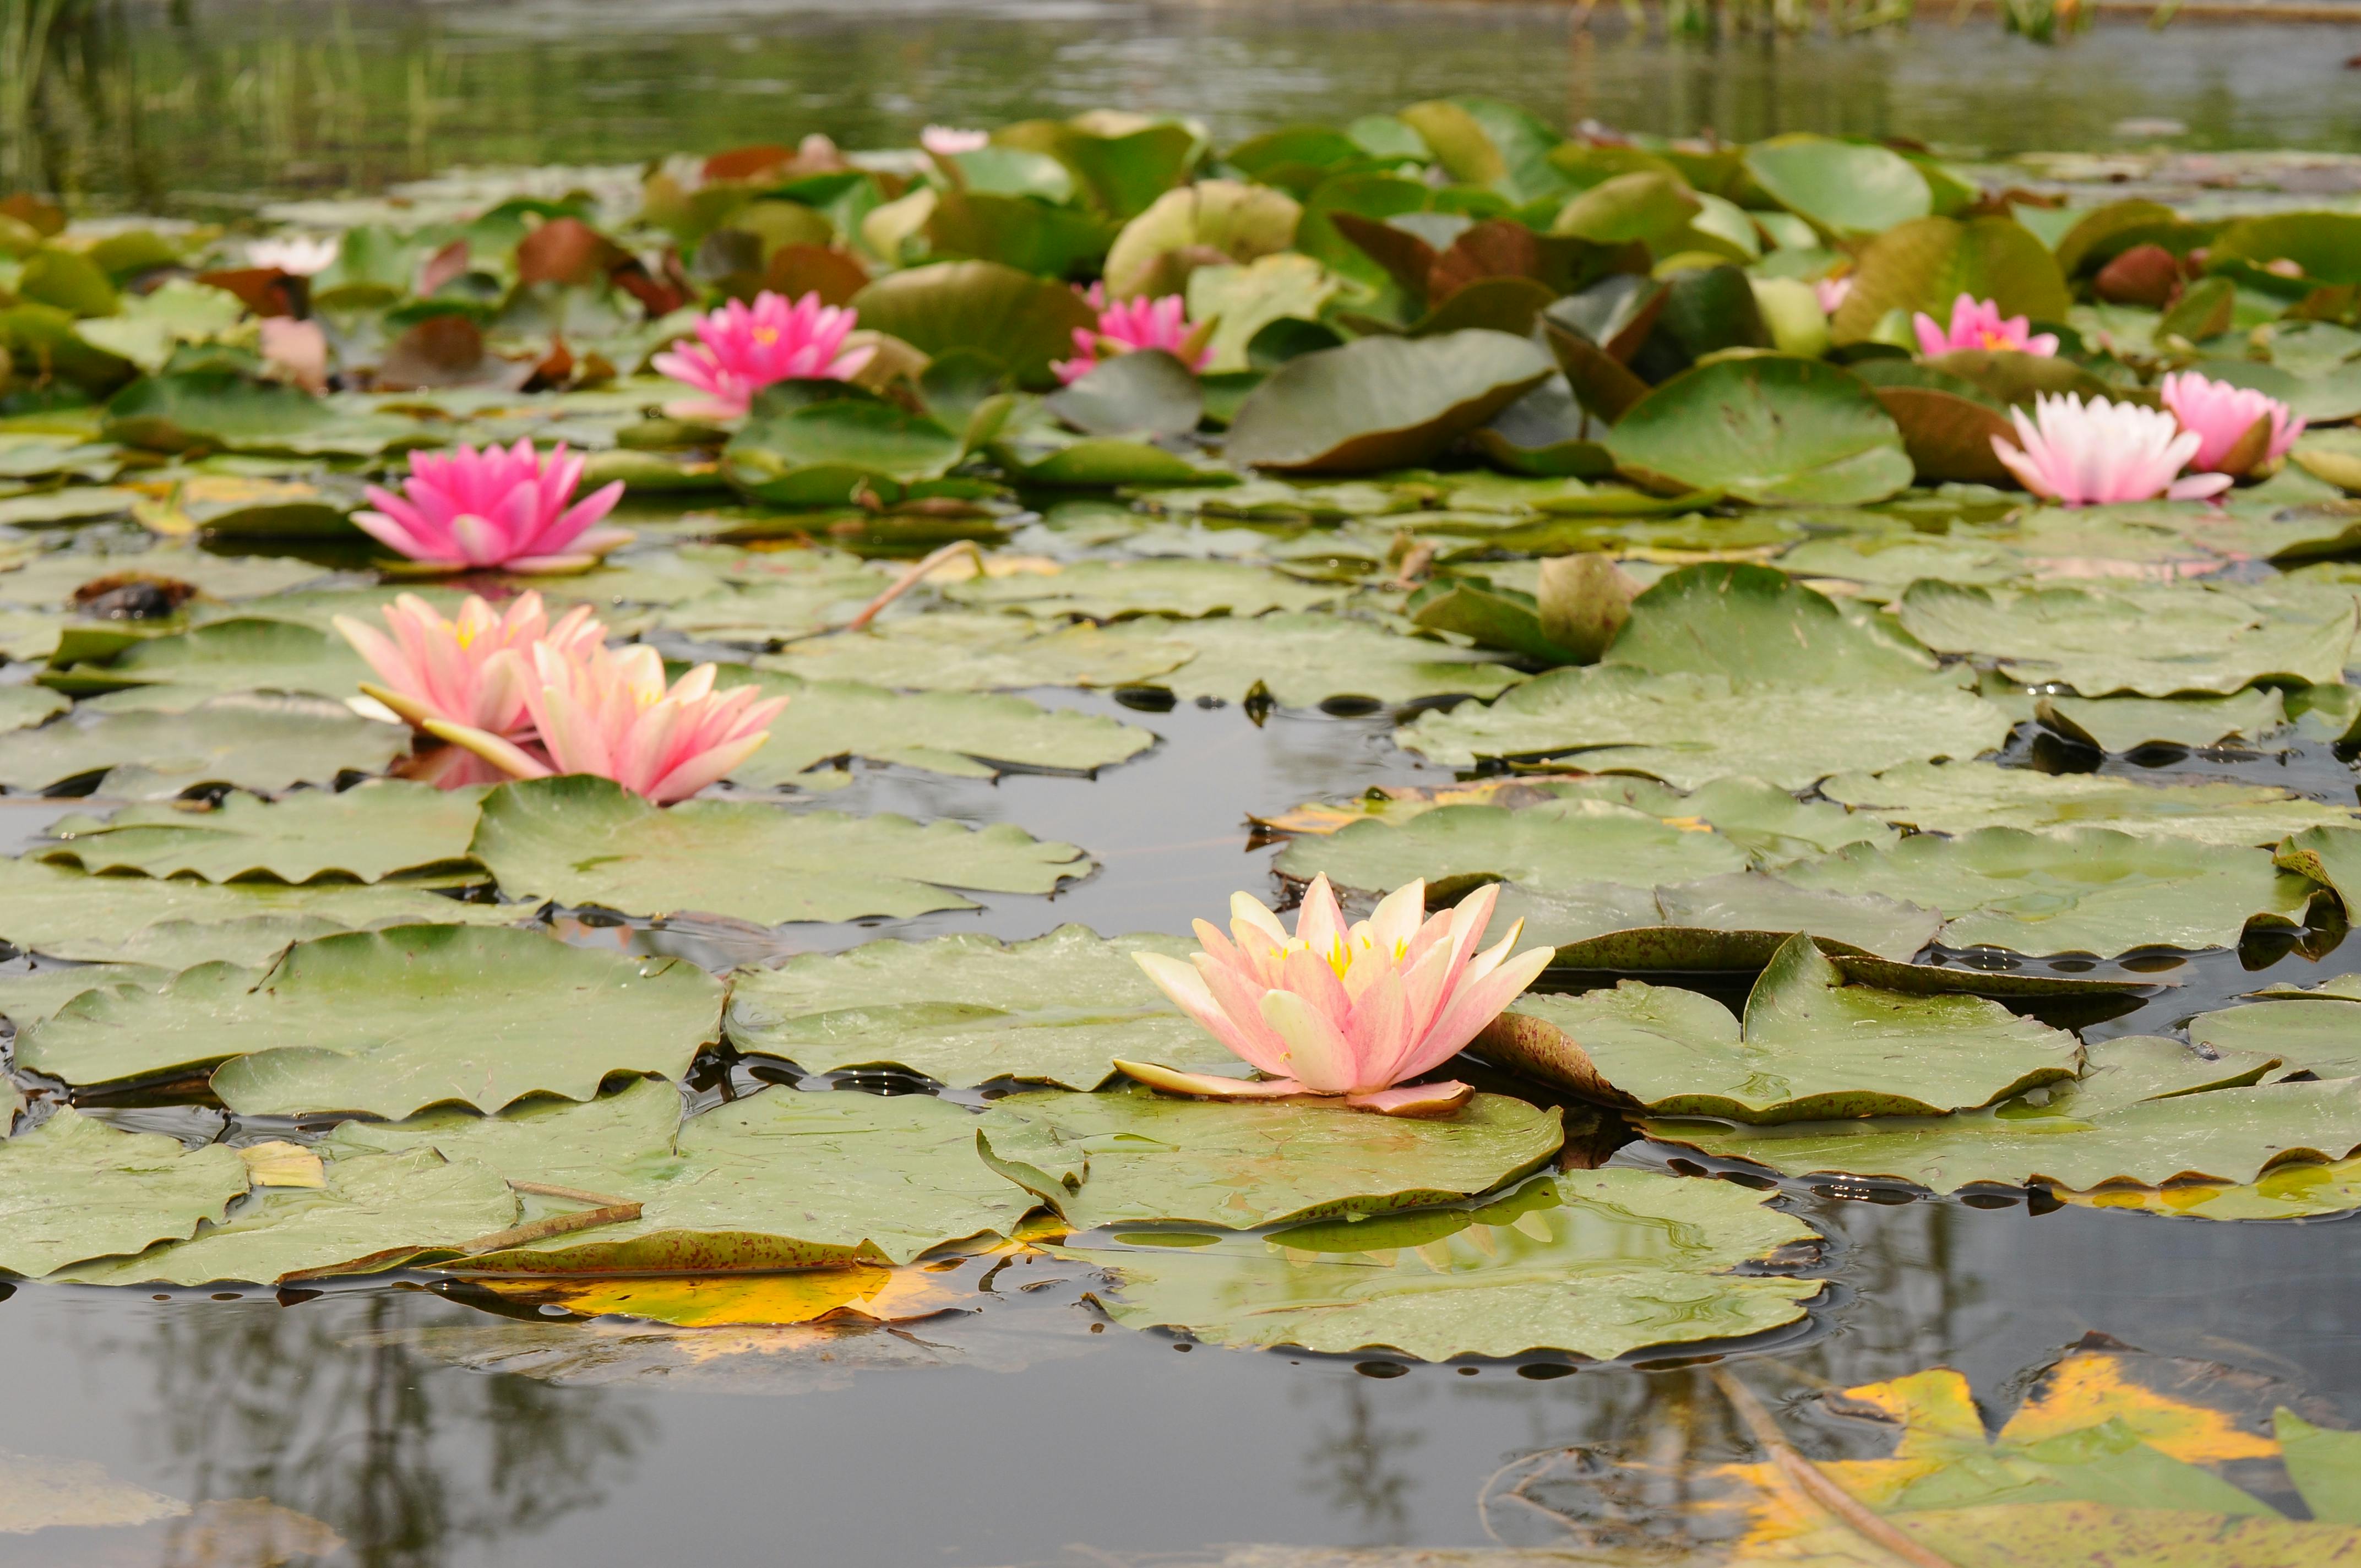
(282, 1164)
(2084, 1390)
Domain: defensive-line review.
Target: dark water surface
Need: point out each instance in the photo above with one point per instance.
(427, 1430)
(206, 106)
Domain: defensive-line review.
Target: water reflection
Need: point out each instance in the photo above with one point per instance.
(319, 1410)
(209, 105)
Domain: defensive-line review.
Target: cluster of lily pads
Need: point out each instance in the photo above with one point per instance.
(447, 599)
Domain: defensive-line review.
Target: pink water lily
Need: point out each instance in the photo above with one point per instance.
(2078, 454)
(1977, 323)
(470, 670)
(1831, 293)
(2220, 415)
(1129, 325)
(741, 349)
(946, 141)
(501, 507)
(1343, 1010)
(607, 712)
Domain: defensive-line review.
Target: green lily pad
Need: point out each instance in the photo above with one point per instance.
(964, 1009)
(1768, 429)
(214, 409)
(2070, 890)
(1595, 1263)
(1557, 843)
(1020, 320)
(1735, 921)
(453, 1014)
(1689, 728)
(376, 1212)
(1108, 591)
(2146, 1110)
(1927, 264)
(2330, 856)
(1753, 623)
(831, 452)
(178, 924)
(2324, 1465)
(1297, 659)
(1382, 403)
(964, 734)
(778, 1179)
(374, 830)
(773, 611)
(584, 840)
(959, 652)
(1850, 189)
(1960, 797)
(2128, 723)
(1240, 221)
(253, 740)
(75, 1188)
(2320, 1034)
(2192, 638)
(1811, 1048)
(23, 707)
(1103, 1159)
(29, 997)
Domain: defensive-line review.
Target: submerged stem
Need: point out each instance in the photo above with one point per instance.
(911, 579)
(1814, 1483)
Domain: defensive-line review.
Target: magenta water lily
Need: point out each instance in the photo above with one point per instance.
(511, 507)
(1349, 1010)
(2221, 416)
(1129, 324)
(1978, 325)
(742, 348)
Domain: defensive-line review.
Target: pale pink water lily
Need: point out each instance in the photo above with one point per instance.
(741, 349)
(1129, 325)
(1832, 292)
(468, 670)
(2220, 415)
(506, 507)
(607, 712)
(1351, 1011)
(1977, 323)
(295, 253)
(947, 141)
(2078, 454)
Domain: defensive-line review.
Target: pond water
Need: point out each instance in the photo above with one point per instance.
(209, 105)
(445, 1426)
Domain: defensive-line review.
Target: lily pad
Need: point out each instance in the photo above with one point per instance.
(1020, 320)
(1811, 1048)
(1131, 1155)
(1960, 797)
(2146, 1110)
(253, 740)
(178, 923)
(2070, 890)
(1927, 264)
(836, 450)
(965, 734)
(1382, 403)
(23, 707)
(1753, 623)
(1108, 591)
(453, 1014)
(1557, 843)
(1596, 1263)
(964, 1009)
(2128, 723)
(1735, 922)
(1850, 189)
(374, 830)
(959, 652)
(584, 840)
(1690, 728)
(778, 1179)
(376, 1212)
(1769, 429)
(75, 1188)
(1297, 659)
(2320, 1034)
(2192, 638)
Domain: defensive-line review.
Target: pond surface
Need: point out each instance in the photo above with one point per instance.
(210, 105)
(430, 1430)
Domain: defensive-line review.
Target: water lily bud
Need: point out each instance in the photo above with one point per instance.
(1584, 601)
(1791, 309)
(2144, 275)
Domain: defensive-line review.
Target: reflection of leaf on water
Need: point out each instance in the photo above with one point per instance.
(37, 1492)
(2113, 1456)
(789, 1333)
